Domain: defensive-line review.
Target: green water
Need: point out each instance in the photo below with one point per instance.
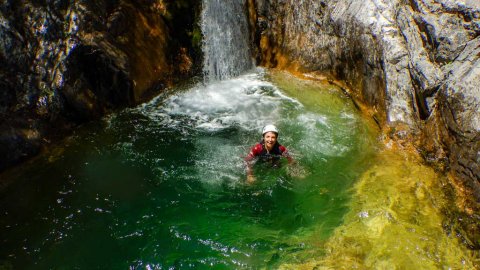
(162, 186)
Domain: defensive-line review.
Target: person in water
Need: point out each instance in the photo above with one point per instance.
(266, 151)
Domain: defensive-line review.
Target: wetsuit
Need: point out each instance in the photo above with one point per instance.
(273, 157)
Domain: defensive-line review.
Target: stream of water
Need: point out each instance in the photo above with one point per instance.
(226, 47)
(162, 186)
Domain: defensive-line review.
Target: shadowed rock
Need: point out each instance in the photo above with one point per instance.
(64, 63)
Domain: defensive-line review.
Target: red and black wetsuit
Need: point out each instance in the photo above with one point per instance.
(259, 151)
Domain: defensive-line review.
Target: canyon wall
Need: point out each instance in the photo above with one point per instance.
(67, 62)
(416, 63)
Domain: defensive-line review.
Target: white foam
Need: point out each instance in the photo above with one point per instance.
(247, 102)
(323, 137)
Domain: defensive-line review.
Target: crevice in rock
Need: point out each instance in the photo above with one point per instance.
(94, 84)
(413, 4)
(419, 98)
(421, 104)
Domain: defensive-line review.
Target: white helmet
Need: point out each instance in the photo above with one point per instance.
(270, 128)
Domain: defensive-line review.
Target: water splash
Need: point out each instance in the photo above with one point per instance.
(225, 47)
(222, 128)
(247, 102)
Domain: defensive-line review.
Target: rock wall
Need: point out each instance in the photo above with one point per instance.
(67, 62)
(416, 63)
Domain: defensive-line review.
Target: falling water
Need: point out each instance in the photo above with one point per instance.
(226, 47)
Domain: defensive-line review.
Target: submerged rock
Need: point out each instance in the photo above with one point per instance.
(67, 62)
(416, 63)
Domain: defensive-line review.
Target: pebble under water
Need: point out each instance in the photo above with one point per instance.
(162, 186)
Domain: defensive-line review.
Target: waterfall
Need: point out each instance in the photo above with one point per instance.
(226, 48)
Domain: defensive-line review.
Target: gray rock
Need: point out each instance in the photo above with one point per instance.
(461, 88)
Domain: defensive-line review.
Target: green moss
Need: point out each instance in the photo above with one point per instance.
(196, 37)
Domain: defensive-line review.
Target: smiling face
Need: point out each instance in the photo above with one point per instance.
(270, 138)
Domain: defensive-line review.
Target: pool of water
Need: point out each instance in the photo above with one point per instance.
(162, 186)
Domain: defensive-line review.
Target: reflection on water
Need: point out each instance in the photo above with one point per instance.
(163, 186)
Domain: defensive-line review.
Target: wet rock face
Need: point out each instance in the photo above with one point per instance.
(416, 62)
(401, 49)
(69, 62)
